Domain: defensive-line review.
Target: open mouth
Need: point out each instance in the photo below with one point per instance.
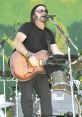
(43, 16)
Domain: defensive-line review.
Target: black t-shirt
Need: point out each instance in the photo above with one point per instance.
(36, 38)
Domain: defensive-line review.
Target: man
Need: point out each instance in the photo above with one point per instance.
(30, 40)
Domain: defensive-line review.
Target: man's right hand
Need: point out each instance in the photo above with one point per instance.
(33, 60)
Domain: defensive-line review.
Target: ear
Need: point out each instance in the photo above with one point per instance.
(34, 17)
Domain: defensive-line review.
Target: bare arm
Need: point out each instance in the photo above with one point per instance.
(55, 50)
(18, 43)
(19, 46)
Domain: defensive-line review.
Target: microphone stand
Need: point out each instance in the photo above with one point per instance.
(3, 69)
(69, 41)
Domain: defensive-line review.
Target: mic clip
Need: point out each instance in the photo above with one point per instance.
(50, 16)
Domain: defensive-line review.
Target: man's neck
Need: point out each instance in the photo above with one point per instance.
(40, 25)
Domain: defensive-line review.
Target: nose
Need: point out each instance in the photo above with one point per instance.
(44, 13)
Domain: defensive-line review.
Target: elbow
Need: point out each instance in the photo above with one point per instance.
(15, 44)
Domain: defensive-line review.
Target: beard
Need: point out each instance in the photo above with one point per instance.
(41, 19)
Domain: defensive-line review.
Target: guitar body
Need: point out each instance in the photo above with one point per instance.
(22, 69)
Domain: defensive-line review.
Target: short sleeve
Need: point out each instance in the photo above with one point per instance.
(24, 29)
(52, 37)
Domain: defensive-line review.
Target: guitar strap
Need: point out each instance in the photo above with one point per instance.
(48, 44)
(47, 37)
(47, 67)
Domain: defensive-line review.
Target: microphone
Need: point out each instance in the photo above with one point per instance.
(49, 16)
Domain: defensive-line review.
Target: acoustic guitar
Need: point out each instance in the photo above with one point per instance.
(22, 69)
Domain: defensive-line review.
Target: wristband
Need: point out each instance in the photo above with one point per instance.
(29, 54)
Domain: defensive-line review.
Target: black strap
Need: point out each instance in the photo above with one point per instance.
(47, 37)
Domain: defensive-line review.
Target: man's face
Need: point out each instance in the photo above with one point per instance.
(39, 14)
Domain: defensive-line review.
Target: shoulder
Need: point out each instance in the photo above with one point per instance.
(49, 31)
(26, 27)
(26, 24)
(50, 34)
